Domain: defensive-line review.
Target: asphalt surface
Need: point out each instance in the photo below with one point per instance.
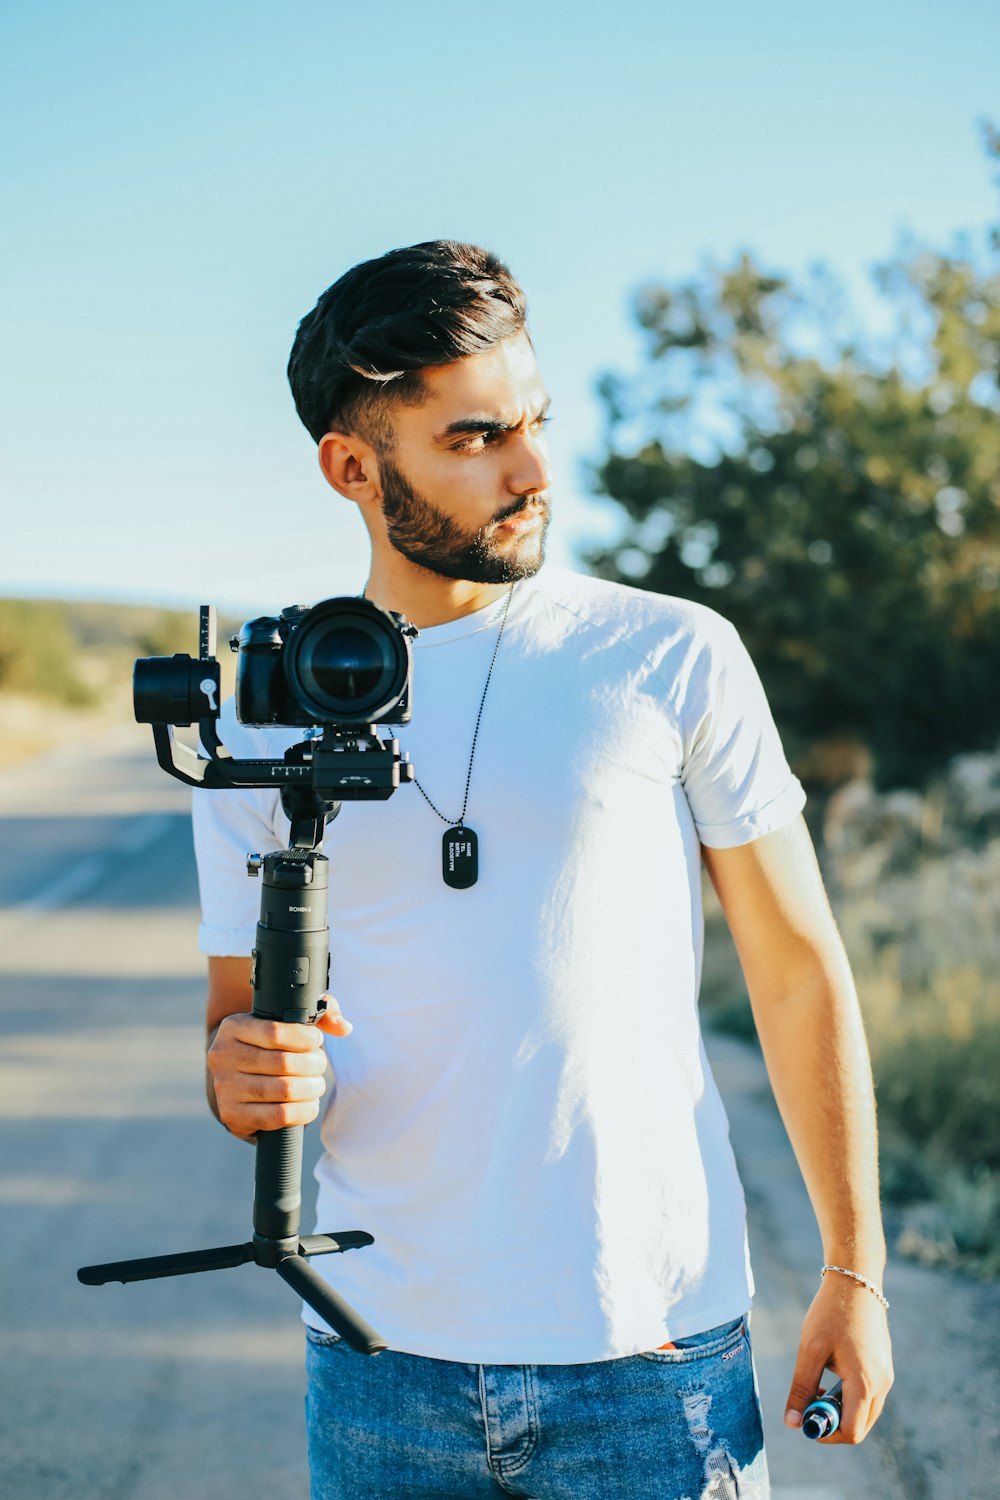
(194, 1386)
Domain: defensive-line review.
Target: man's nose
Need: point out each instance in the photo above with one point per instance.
(530, 473)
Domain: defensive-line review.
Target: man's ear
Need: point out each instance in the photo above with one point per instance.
(350, 465)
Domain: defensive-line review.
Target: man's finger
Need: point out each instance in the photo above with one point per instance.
(853, 1416)
(277, 1036)
(246, 1059)
(288, 1088)
(332, 1021)
(855, 1421)
(805, 1383)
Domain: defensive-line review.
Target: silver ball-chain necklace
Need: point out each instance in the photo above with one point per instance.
(460, 844)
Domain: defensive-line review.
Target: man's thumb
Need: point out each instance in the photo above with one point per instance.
(332, 1021)
(805, 1383)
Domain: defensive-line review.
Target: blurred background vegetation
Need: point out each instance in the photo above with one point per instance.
(834, 490)
(66, 668)
(834, 493)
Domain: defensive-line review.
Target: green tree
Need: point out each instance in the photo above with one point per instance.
(835, 494)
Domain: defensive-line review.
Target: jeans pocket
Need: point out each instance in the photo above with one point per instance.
(700, 1345)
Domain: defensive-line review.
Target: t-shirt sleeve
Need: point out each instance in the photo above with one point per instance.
(229, 825)
(737, 780)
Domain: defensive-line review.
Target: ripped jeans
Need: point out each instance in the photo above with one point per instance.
(677, 1424)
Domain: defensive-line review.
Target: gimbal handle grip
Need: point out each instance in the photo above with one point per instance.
(289, 976)
(277, 1199)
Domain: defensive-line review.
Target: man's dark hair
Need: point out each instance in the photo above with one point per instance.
(363, 346)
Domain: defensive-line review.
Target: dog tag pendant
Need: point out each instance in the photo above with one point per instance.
(460, 858)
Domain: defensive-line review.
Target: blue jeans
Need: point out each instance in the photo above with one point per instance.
(680, 1424)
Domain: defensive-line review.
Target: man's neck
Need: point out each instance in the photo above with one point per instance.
(425, 598)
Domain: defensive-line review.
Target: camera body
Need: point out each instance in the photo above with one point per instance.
(345, 662)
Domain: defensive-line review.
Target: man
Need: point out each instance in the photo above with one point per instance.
(522, 1114)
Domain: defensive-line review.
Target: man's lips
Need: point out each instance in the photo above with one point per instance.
(524, 519)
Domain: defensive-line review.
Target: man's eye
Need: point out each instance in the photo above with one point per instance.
(477, 441)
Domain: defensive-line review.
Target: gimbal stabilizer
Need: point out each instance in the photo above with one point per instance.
(290, 965)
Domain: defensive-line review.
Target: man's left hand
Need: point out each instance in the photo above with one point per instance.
(846, 1330)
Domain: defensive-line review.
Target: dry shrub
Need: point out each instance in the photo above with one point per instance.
(915, 883)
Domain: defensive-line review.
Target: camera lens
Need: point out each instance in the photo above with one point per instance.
(347, 662)
(346, 665)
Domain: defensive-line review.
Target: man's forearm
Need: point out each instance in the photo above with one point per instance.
(812, 1036)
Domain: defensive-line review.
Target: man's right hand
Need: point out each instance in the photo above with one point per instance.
(263, 1075)
(267, 1074)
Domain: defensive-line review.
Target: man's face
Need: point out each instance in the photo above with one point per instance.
(465, 490)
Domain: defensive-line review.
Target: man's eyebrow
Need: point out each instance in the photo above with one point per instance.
(489, 424)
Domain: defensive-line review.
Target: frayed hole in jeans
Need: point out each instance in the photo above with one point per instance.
(721, 1474)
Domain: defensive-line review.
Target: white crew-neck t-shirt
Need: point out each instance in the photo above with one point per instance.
(524, 1116)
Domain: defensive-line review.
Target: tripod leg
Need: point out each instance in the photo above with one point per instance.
(152, 1267)
(333, 1309)
(326, 1244)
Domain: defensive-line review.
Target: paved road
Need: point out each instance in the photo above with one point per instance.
(194, 1387)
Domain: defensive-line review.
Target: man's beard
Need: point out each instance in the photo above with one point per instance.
(433, 540)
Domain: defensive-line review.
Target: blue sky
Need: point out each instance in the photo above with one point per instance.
(180, 183)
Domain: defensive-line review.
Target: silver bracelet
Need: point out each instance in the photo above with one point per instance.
(876, 1291)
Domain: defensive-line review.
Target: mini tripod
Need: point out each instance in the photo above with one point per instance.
(289, 975)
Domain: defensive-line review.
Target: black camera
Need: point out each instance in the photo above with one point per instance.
(345, 661)
(341, 667)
